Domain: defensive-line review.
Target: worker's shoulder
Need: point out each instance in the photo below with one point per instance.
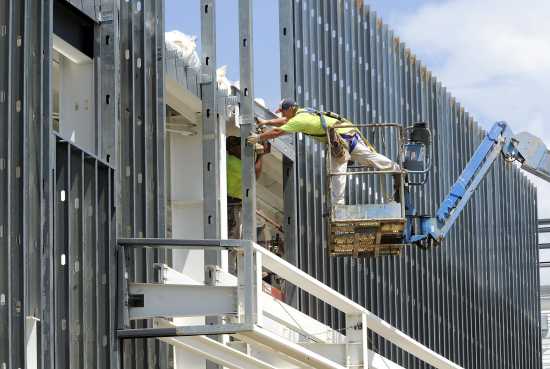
(304, 116)
(232, 159)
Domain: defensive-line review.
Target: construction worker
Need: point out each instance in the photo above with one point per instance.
(347, 143)
(234, 183)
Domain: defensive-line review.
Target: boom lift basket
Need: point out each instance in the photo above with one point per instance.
(374, 224)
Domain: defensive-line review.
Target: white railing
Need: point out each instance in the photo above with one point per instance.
(245, 309)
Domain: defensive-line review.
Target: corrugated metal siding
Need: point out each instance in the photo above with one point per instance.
(84, 250)
(24, 176)
(57, 219)
(474, 299)
(141, 195)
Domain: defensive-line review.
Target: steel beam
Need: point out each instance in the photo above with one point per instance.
(212, 132)
(217, 352)
(290, 225)
(173, 300)
(272, 342)
(246, 113)
(176, 331)
(213, 350)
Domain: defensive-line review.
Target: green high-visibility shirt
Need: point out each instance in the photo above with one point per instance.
(310, 124)
(234, 177)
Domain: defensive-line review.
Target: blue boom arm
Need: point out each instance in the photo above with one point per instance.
(499, 140)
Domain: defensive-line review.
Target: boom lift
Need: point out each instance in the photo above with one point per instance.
(369, 229)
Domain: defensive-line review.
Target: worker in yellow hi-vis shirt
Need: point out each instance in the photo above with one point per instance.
(348, 141)
(234, 184)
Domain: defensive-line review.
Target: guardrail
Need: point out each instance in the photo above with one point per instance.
(245, 321)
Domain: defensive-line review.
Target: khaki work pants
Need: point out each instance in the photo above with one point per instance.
(363, 155)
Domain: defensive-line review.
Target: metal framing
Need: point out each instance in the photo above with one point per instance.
(211, 129)
(58, 222)
(290, 180)
(247, 118)
(247, 309)
(140, 174)
(25, 263)
(83, 253)
(474, 299)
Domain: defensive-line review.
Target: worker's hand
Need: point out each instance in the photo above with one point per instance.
(253, 139)
(260, 122)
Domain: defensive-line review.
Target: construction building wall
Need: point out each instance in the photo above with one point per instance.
(474, 299)
(63, 201)
(69, 158)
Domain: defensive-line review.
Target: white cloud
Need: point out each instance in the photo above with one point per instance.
(494, 56)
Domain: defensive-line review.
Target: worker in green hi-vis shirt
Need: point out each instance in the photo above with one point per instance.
(347, 142)
(234, 184)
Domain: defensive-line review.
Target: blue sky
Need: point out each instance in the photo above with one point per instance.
(184, 16)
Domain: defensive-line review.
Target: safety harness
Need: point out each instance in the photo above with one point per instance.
(351, 139)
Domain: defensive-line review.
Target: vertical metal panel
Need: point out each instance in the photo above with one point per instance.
(212, 142)
(286, 35)
(140, 178)
(83, 251)
(247, 118)
(57, 228)
(47, 145)
(60, 254)
(211, 137)
(106, 48)
(471, 298)
(5, 66)
(24, 112)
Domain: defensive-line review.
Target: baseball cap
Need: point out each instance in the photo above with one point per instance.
(286, 104)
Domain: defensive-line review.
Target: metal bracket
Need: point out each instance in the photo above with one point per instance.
(225, 102)
(205, 78)
(232, 100)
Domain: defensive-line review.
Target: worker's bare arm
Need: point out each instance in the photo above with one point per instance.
(271, 134)
(275, 122)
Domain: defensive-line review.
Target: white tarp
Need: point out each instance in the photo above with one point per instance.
(185, 46)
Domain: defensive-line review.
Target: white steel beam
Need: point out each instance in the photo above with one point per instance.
(183, 101)
(314, 287)
(172, 300)
(213, 350)
(69, 51)
(248, 124)
(274, 309)
(31, 342)
(281, 346)
(293, 320)
(172, 276)
(307, 283)
(299, 322)
(407, 343)
(340, 354)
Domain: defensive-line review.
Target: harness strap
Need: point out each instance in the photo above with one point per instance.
(321, 118)
(352, 140)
